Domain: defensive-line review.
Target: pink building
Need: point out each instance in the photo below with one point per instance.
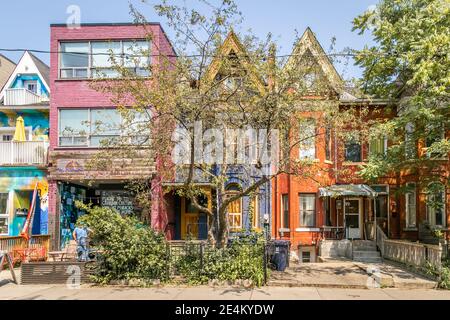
(80, 56)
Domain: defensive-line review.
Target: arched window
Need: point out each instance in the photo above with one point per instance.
(234, 208)
(436, 204)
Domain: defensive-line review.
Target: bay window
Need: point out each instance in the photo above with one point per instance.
(99, 59)
(307, 135)
(307, 210)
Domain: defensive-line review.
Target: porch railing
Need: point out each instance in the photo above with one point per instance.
(23, 153)
(332, 233)
(22, 97)
(15, 245)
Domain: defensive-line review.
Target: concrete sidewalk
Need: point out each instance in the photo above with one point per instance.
(14, 292)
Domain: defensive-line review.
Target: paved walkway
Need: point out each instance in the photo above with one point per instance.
(350, 275)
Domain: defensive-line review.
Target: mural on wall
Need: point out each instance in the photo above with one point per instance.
(37, 120)
(19, 185)
(69, 212)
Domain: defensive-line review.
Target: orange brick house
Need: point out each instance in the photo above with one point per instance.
(336, 203)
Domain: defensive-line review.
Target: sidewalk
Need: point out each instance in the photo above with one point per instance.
(14, 292)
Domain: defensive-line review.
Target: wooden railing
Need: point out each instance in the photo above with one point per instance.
(16, 246)
(23, 153)
(21, 97)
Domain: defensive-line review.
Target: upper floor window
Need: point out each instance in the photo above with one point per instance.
(410, 142)
(31, 85)
(378, 147)
(307, 136)
(353, 151)
(100, 59)
(435, 134)
(328, 144)
(102, 127)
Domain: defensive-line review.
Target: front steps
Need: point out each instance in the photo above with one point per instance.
(366, 251)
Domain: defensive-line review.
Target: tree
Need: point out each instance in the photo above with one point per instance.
(409, 62)
(223, 90)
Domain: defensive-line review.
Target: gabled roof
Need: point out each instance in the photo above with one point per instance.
(232, 44)
(309, 43)
(29, 64)
(6, 67)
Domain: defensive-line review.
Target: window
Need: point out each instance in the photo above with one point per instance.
(378, 147)
(100, 127)
(285, 211)
(410, 203)
(4, 216)
(307, 210)
(328, 144)
(353, 152)
(98, 59)
(7, 137)
(410, 142)
(436, 205)
(307, 136)
(234, 209)
(435, 134)
(30, 85)
(306, 256)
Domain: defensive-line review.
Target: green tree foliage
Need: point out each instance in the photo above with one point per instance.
(409, 62)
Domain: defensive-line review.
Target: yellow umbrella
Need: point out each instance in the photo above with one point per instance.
(19, 135)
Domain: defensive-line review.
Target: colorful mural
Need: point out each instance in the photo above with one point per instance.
(37, 120)
(18, 184)
(69, 213)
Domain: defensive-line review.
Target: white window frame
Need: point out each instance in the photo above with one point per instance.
(314, 212)
(283, 222)
(32, 82)
(411, 222)
(431, 211)
(90, 69)
(5, 215)
(89, 132)
(301, 150)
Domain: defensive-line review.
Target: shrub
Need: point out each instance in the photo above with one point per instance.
(129, 250)
(241, 260)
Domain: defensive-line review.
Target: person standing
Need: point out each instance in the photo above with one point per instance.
(80, 235)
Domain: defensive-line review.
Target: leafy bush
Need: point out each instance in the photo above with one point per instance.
(442, 274)
(129, 250)
(241, 260)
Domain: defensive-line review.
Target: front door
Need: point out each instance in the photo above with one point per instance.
(190, 225)
(353, 218)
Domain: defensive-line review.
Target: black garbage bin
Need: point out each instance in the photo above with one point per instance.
(280, 256)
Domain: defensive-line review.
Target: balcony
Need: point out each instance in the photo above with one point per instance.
(22, 97)
(23, 153)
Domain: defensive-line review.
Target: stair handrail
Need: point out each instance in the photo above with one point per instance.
(381, 237)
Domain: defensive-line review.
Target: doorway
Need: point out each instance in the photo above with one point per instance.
(353, 218)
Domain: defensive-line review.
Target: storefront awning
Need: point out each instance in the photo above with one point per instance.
(348, 190)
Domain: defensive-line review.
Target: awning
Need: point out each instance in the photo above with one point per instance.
(348, 190)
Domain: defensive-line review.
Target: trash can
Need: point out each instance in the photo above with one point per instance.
(280, 255)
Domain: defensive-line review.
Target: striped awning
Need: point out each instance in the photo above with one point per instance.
(348, 190)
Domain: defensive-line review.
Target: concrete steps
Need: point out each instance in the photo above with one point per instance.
(366, 251)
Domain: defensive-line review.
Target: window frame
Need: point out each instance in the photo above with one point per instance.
(285, 223)
(411, 193)
(360, 151)
(230, 215)
(90, 68)
(385, 147)
(314, 212)
(90, 125)
(313, 122)
(5, 215)
(430, 211)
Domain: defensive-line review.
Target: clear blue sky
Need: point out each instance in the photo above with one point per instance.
(25, 23)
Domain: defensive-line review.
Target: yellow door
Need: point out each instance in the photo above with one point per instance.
(190, 226)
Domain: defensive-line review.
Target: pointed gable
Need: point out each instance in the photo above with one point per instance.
(28, 67)
(6, 68)
(233, 48)
(308, 47)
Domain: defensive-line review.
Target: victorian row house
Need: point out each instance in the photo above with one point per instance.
(334, 204)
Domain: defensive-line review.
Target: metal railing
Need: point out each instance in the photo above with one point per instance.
(23, 153)
(22, 97)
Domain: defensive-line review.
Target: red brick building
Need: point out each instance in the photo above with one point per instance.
(337, 203)
(80, 56)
